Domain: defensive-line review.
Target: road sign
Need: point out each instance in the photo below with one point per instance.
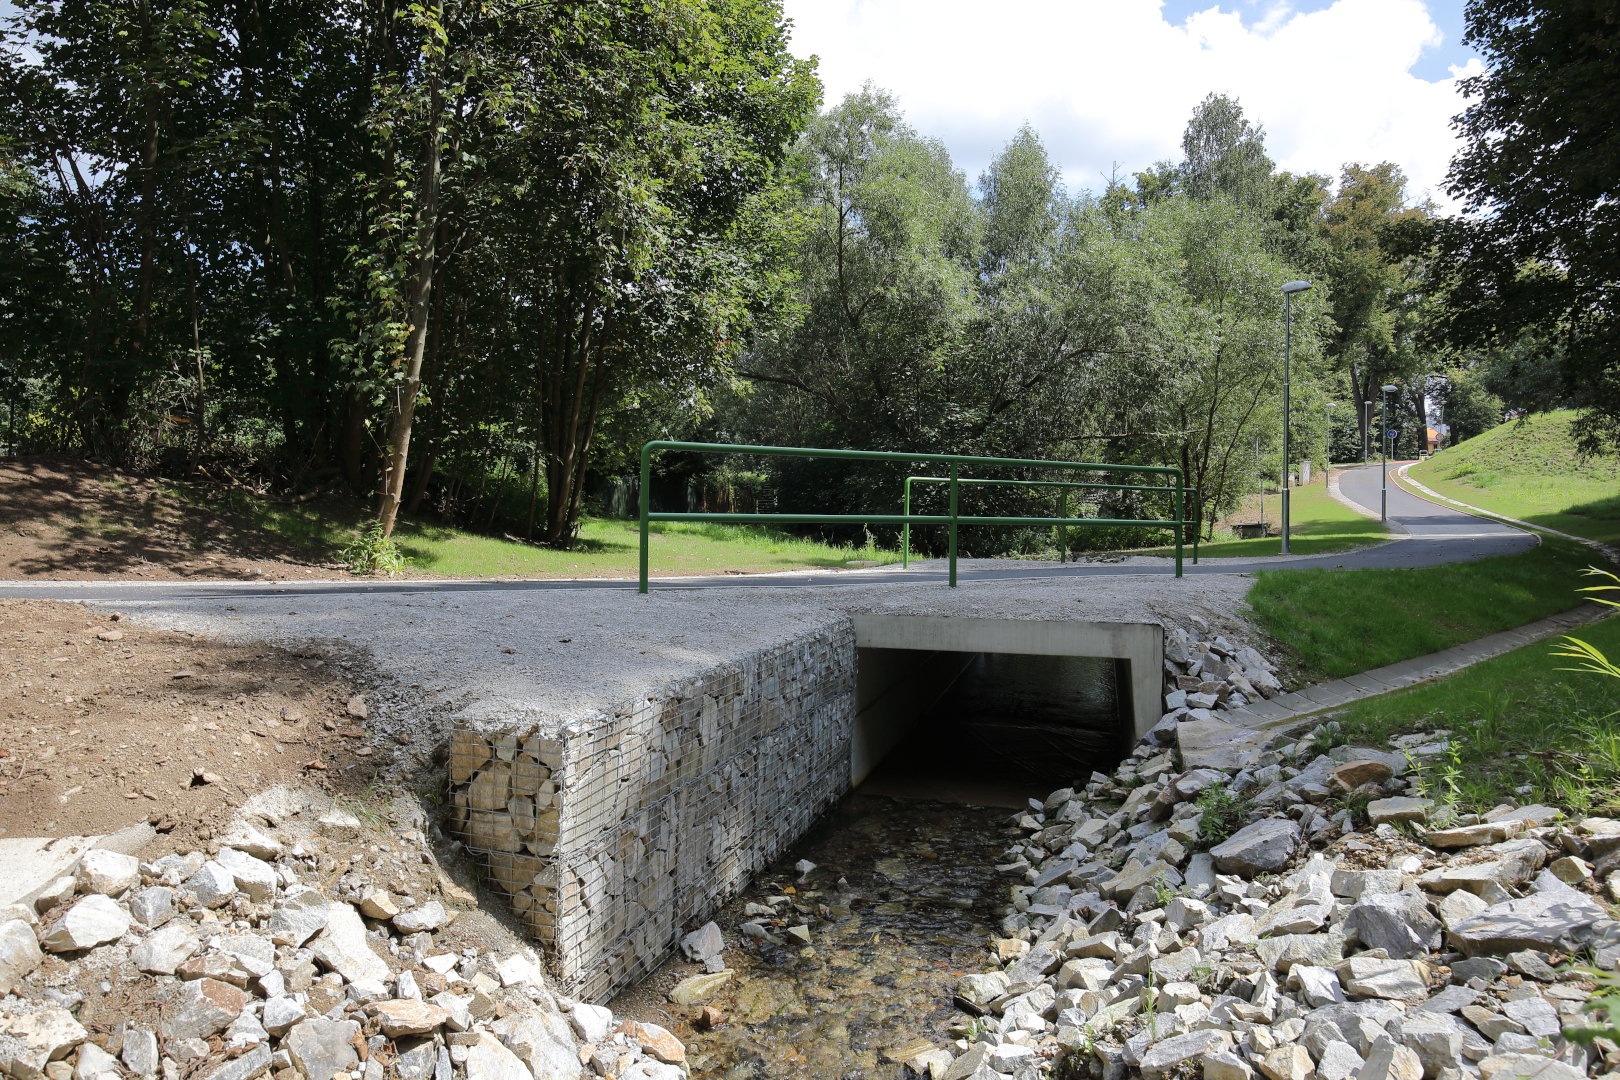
(1394, 433)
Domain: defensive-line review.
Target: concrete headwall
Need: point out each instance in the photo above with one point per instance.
(611, 833)
(1140, 645)
(613, 830)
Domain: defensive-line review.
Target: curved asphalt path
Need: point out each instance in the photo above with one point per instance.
(1428, 534)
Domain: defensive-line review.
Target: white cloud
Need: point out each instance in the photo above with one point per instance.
(1111, 81)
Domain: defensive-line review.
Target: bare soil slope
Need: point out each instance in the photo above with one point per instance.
(106, 724)
(71, 520)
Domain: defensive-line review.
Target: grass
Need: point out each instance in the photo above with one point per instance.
(1529, 470)
(1517, 721)
(607, 547)
(1317, 524)
(1339, 622)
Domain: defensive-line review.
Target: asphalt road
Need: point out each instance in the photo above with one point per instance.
(1433, 534)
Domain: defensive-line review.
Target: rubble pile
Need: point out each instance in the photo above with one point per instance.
(1203, 677)
(270, 957)
(1334, 926)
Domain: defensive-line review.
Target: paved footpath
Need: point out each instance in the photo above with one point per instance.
(1427, 535)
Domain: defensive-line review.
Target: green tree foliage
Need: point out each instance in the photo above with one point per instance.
(1379, 286)
(1466, 405)
(287, 236)
(1539, 247)
(1136, 328)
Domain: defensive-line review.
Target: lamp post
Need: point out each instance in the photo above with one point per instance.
(1383, 448)
(1288, 291)
(1366, 430)
(1327, 447)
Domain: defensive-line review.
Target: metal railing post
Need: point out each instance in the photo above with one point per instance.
(905, 543)
(1063, 512)
(646, 508)
(954, 468)
(1181, 523)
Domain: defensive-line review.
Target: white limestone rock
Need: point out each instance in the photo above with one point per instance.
(253, 876)
(342, 947)
(93, 921)
(107, 872)
(19, 954)
(213, 885)
(160, 952)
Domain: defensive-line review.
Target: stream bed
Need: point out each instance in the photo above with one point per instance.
(901, 905)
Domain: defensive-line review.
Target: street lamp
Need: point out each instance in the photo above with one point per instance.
(1288, 291)
(1366, 430)
(1327, 447)
(1383, 448)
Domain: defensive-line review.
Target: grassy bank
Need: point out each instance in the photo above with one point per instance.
(1317, 524)
(1339, 622)
(1515, 722)
(607, 547)
(1529, 470)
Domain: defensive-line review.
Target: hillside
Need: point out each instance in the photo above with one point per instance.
(1529, 469)
(67, 519)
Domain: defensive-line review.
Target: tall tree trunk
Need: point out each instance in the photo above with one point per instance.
(427, 231)
(566, 429)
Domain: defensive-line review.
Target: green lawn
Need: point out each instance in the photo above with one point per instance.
(1529, 470)
(1339, 622)
(608, 547)
(1317, 524)
(611, 548)
(1515, 721)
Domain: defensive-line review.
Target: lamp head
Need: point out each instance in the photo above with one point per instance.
(1295, 287)
(1390, 388)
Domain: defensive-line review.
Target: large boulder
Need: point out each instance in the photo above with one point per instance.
(1555, 918)
(1398, 923)
(1261, 848)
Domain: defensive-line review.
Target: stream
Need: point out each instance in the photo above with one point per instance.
(904, 897)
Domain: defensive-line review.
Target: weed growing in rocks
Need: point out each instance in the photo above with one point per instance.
(1222, 814)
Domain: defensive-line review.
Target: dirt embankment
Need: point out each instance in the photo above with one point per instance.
(71, 520)
(106, 724)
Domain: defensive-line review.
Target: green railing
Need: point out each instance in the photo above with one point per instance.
(1063, 487)
(953, 520)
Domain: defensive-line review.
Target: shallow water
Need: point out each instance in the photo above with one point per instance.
(913, 915)
(905, 894)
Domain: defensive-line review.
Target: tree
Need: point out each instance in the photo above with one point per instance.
(1379, 289)
(1465, 405)
(1224, 154)
(1539, 245)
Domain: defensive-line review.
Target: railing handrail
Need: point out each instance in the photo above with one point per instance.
(1063, 507)
(952, 520)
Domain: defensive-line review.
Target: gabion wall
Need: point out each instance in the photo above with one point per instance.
(610, 834)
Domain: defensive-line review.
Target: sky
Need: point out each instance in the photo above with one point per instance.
(1109, 84)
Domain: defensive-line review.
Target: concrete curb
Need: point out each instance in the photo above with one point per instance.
(1606, 550)
(1350, 504)
(1301, 706)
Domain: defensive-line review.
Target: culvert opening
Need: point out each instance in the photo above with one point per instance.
(996, 711)
(1007, 727)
